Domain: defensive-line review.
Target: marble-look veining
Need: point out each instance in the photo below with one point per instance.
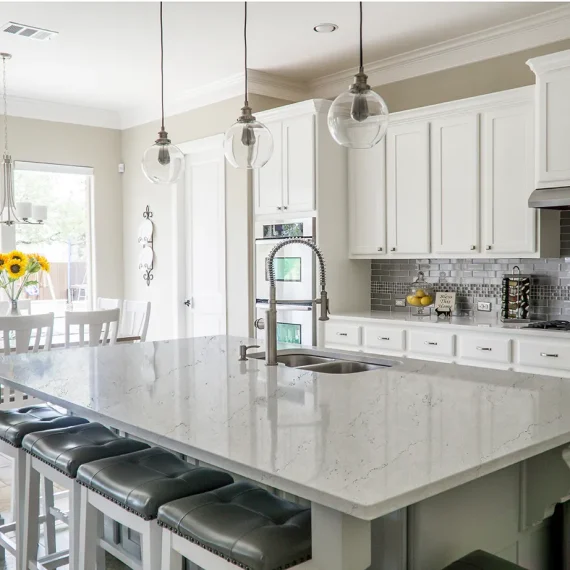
(364, 444)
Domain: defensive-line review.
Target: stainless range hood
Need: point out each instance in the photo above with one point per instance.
(550, 198)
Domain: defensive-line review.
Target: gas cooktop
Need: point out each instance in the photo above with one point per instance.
(556, 325)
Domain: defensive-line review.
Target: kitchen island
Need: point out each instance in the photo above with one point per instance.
(362, 448)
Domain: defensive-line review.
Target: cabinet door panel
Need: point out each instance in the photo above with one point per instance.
(299, 164)
(367, 200)
(554, 127)
(268, 181)
(455, 184)
(509, 225)
(408, 188)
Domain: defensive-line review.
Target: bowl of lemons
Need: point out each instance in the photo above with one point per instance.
(421, 294)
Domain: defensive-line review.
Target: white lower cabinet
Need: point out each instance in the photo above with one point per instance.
(483, 348)
(340, 333)
(503, 350)
(388, 338)
(432, 343)
(544, 354)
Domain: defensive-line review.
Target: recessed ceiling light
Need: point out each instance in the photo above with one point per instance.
(325, 28)
(25, 31)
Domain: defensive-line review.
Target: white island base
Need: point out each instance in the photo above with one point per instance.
(405, 468)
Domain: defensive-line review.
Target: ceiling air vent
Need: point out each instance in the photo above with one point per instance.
(27, 31)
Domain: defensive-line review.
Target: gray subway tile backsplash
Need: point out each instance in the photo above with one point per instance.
(479, 280)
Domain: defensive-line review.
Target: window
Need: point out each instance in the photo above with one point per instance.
(64, 238)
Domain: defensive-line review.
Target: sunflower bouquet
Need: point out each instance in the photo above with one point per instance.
(19, 270)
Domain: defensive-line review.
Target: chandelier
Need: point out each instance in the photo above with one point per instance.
(10, 212)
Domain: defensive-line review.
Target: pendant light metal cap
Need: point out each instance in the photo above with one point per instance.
(360, 84)
(162, 138)
(246, 115)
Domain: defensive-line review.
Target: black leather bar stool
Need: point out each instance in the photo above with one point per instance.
(130, 489)
(481, 560)
(14, 425)
(57, 454)
(241, 523)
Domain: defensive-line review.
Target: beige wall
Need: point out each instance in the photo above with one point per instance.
(138, 192)
(497, 74)
(77, 145)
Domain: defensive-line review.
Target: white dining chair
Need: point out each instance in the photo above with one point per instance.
(103, 326)
(106, 303)
(134, 319)
(24, 305)
(24, 327)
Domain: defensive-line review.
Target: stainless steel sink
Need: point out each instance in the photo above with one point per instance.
(328, 362)
(342, 367)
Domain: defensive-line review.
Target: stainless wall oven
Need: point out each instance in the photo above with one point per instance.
(295, 278)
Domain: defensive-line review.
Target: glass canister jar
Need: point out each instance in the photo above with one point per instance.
(421, 295)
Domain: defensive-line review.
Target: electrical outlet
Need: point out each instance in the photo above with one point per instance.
(400, 302)
(484, 306)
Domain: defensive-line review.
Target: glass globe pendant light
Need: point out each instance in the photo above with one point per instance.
(358, 118)
(247, 143)
(163, 162)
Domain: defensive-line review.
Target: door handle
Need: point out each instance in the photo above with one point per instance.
(188, 302)
(430, 343)
(341, 334)
(484, 348)
(546, 355)
(383, 338)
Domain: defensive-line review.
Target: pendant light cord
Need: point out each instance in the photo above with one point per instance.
(5, 96)
(161, 68)
(361, 53)
(245, 50)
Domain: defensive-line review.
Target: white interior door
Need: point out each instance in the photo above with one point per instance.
(205, 238)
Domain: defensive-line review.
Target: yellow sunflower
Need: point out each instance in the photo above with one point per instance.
(3, 260)
(15, 268)
(44, 263)
(19, 255)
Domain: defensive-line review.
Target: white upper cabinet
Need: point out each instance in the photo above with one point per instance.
(287, 182)
(299, 164)
(455, 184)
(509, 225)
(552, 119)
(408, 188)
(268, 181)
(367, 201)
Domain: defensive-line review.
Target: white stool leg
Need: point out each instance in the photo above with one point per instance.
(151, 542)
(90, 556)
(28, 534)
(171, 559)
(49, 525)
(74, 525)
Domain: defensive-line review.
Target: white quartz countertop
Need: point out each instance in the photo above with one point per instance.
(465, 324)
(365, 444)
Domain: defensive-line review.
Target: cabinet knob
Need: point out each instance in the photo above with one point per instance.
(488, 247)
(379, 249)
(392, 249)
(284, 207)
(473, 247)
(279, 207)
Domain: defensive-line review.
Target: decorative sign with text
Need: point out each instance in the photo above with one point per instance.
(444, 301)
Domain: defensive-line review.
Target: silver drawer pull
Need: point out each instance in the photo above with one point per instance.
(383, 338)
(485, 348)
(342, 334)
(546, 355)
(430, 343)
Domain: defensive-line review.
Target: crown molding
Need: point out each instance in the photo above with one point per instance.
(526, 33)
(550, 62)
(62, 113)
(259, 83)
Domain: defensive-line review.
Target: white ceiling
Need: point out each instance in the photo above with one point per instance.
(106, 55)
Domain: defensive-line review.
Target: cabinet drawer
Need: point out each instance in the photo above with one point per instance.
(384, 337)
(544, 354)
(337, 333)
(438, 344)
(485, 349)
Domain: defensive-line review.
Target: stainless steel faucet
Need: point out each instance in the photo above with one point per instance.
(270, 321)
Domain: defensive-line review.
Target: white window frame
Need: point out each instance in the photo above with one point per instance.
(8, 233)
